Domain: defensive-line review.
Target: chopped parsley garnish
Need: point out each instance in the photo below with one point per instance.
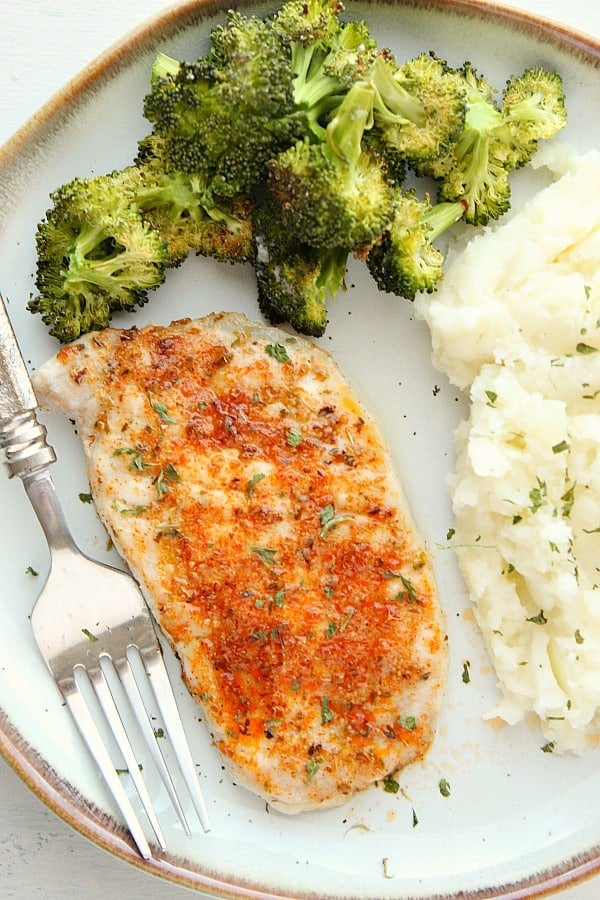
(540, 619)
(327, 713)
(89, 635)
(579, 639)
(160, 408)
(169, 473)
(265, 554)
(85, 498)
(568, 498)
(329, 519)
(466, 673)
(409, 592)
(31, 571)
(538, 496)
(585, 348)
(491, 398)
(444, 787)
(133, 510)
(407, 722)
(279, 597)
(294, 437)
(252, 482)
(312, 767)
(560, 447)
(278, 352)
(548, 748)
(390, 785)
(450, 534)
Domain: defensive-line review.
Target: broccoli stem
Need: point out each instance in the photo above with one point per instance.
(164, 66)
(333, 270)
(392, 101)
(442, 216)
(345, 131)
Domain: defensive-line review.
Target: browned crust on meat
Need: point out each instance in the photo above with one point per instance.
(277, 551)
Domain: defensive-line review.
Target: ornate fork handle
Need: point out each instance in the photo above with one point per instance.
(22, 437)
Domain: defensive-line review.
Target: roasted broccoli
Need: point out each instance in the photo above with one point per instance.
(287, 145)
(186, 212)
(533, 109)
(327, 55)
(333, 193)
(226, 114)
(419, 107)
(495, 141)
(96, 255)
(295, 285)
(404, 260)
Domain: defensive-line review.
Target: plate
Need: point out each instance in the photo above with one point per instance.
(505, 829)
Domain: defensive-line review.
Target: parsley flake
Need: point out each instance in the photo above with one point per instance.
(444, 787)
(252, 482)
(585, 348)
(409, 592)
(160, 408)
(407, 722)
(265, 554)
(390, 785)
(278, 352)
(540, 619)
(327, 714)
(312, 767)
(294, 437)
(329, 519)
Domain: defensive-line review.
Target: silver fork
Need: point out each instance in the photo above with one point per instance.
(92, 625)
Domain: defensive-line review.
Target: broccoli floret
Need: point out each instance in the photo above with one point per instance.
(295, 285)
(533, 109)
(419, 106)
(495, 141)
(294, 280)
(328, 56)
(333, 193)
(96, 255)
(183, 209)
(228, 113)
(405, 261)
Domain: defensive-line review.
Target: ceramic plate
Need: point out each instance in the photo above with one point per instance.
(517, 821)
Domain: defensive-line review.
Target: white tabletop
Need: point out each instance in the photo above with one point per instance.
(43, 43)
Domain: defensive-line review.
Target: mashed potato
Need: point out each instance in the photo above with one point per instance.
(516, 324)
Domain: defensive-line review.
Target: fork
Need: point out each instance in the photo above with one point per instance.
(93, 627)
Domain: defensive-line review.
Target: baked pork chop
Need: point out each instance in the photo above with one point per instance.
(256, 504)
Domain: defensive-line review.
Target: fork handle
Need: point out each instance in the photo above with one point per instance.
(22, 437)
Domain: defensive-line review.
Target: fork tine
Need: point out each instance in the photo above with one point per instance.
(163, 692)
(113, 717)
(85, 723)
(138, 706)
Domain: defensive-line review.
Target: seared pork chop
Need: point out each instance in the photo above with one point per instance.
(256, 503)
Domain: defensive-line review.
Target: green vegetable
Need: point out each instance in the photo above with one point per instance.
(286, 146)
(96, 255)
(496, 139)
